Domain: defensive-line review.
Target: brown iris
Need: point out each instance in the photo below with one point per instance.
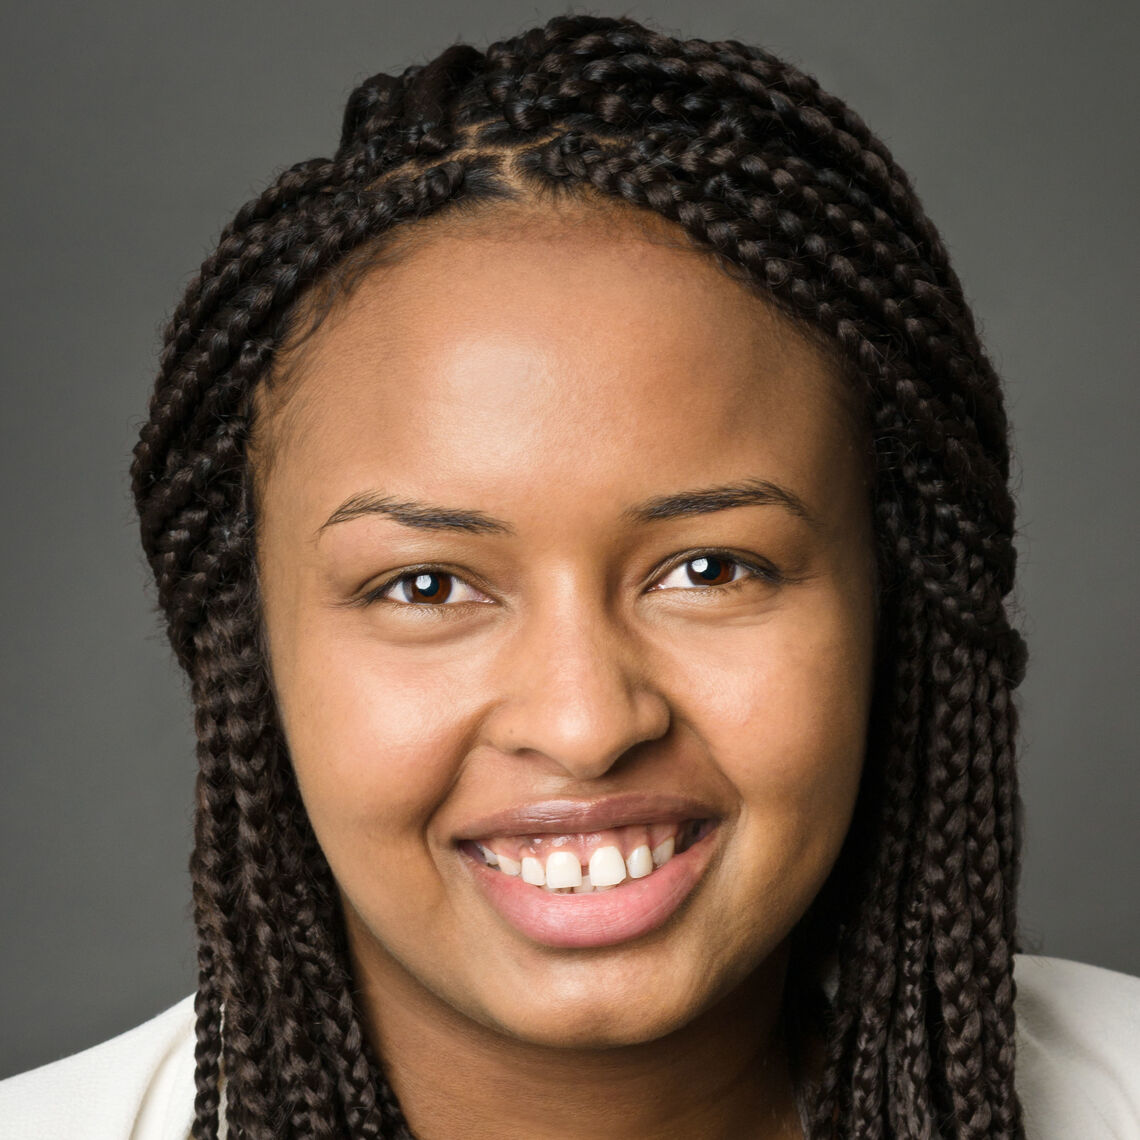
(427, 587)
(707, 571)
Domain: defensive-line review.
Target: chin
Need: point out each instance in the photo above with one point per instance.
(597, 1006)
(592, 1025)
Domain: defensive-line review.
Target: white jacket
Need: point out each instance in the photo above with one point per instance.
(1078, 1068)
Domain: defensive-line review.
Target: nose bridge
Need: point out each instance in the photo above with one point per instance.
(573, 687)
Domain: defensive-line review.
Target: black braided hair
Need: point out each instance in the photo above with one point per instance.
(787, 189)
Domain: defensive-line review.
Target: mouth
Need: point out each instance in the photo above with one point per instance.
(584, 862)
(563, 883)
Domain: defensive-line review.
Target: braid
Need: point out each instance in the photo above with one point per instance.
(789, 191)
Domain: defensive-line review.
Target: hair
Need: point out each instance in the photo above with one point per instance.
(789, 191)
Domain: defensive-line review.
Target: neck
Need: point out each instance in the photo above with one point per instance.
(722, 1076)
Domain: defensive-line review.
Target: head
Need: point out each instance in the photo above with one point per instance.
(663, 329)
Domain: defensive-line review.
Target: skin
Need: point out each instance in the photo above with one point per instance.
(551, 374)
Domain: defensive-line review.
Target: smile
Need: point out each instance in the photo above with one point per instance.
(585, 862)
(578, 886)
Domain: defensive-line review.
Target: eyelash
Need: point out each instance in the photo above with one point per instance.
(756, 571)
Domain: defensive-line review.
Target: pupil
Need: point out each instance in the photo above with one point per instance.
(708, 569)
(429, 585)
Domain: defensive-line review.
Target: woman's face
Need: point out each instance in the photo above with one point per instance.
(566, 562)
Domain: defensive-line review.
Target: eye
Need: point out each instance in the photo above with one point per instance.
(715, 569)
(428, 586)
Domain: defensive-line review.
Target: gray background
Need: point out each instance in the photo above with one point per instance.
(132, 131)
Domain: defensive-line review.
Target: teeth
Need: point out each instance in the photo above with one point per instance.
(663, 852)
(562, 870)
(607, 867)
(640, 862)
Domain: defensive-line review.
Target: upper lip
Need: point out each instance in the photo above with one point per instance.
(568, 816)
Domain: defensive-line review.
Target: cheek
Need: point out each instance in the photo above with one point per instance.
(374, 743)
(785, 714)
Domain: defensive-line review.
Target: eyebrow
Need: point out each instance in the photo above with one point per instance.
(748, 493)
(423, 516)
(413, 514)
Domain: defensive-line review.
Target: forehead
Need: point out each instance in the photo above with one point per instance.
(496, 341)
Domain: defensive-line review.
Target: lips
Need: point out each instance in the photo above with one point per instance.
(578, 874)
(550, 817)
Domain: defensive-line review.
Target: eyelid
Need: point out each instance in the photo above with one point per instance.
(756, 570)
(376, 594)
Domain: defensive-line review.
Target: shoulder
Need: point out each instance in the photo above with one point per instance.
(1078, 1049)
(138, 1085)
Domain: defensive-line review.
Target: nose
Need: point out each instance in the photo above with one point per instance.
(574, 688)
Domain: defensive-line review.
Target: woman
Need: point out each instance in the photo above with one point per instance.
(581, 507)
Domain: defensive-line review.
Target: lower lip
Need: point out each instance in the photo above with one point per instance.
(599, 918)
